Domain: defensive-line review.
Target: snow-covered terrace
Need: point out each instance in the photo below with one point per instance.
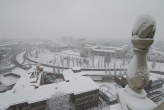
(69, 74)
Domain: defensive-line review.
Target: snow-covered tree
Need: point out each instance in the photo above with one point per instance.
(98, 61)
(153, 64)
(93, 61)
(59, 101)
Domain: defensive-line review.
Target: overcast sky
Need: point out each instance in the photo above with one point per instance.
(95, 19)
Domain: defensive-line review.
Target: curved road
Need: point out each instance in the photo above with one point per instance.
(15, 62)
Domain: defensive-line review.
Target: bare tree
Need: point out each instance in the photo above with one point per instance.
(59, 101)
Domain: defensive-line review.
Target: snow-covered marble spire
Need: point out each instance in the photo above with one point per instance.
(142, 38)
(145, 27)
(133, 96)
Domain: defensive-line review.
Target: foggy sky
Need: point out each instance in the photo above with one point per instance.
(93, 19)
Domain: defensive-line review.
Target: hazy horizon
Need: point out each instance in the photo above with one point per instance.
(91, 19)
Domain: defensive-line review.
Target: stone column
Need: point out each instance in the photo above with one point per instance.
(133, 96)
(142, 39)
(138, 73)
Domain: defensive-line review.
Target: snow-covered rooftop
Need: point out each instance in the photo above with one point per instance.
(75, 85)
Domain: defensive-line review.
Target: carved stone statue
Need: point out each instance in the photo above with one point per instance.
(133, 96)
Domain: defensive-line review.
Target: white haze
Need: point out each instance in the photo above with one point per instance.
(93, 19)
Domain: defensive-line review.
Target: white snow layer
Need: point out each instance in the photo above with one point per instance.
(132, 67)
(128, 98)
(142, 23)
(30, 95)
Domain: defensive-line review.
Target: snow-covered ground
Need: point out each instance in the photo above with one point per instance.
(6, 66)
(19, 71)
(154, 76)
(70, 58)
(113, 107)
(157, 66)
